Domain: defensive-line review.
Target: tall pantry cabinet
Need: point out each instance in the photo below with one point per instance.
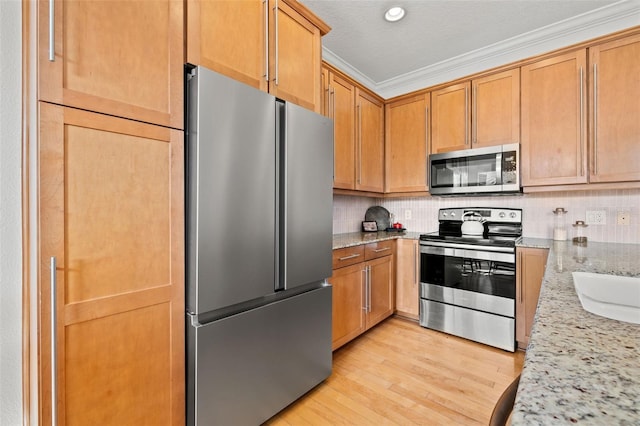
(108, 156)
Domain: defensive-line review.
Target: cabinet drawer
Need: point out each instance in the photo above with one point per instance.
(379, 249)
(347, 256)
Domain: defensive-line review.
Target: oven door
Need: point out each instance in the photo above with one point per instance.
(469, 293)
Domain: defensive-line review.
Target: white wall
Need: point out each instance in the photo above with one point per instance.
(537, 208)
(10, 211)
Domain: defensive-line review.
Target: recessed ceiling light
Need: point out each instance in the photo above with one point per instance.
(394, 14)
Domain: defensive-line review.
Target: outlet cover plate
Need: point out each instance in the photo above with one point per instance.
(596, 217)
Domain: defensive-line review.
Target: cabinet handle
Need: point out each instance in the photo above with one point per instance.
(595, 119)
(52, 53)
(415, 264)
(474, 116)
(359, 130)
(275, 9)
(520, 280)
(351, 256)
(365, 288)
(369, 288)
(581, 121)
(266, 39)
(54, 357)
(381, 249)
(426, 143)
(466, 116)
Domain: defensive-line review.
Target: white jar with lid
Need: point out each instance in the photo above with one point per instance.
(559, 226)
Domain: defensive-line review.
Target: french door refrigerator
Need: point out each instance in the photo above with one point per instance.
(259, 241)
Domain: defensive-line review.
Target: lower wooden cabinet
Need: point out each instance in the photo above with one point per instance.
(530, 266)
(363, 289)
(407, 278)
(111, 251)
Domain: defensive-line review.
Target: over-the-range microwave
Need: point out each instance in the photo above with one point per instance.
(476, 171)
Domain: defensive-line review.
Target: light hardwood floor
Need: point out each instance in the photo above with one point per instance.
(399, 373)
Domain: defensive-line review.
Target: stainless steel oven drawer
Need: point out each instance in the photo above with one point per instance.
(469, 299)
(493, 330)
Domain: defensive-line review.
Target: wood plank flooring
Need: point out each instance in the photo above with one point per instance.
(399, 373)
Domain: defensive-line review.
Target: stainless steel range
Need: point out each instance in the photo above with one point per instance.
(468, 282)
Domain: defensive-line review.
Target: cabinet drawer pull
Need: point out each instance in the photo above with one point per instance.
(54, 358)
(381, 249)
(351, 256)
(595, 119)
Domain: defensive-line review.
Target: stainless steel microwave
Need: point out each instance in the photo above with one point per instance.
(476, 171)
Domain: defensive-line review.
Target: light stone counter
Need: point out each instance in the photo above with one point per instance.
(580, 367)
(358, 238)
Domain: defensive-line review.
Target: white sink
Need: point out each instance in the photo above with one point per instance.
(609, 296)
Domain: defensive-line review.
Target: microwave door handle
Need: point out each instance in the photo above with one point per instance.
(499, 168)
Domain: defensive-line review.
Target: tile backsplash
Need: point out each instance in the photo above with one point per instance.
(537, 212)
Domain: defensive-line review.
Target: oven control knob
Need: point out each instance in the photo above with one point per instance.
(512, 215)
(453, 214)
(502, 215)
(445, 214)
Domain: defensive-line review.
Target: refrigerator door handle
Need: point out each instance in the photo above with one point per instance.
(281, 198)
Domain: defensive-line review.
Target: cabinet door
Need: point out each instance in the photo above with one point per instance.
(407, 278)
(348, 315)
(370, 142)
(381, 276)
(125, 60)
(342, 106)
(295, 53)
(450, 128)
(406, 144)
(530, 268)
(615, 111)
(230, 37)
(495, 116)
(111, 210)
(553, 121)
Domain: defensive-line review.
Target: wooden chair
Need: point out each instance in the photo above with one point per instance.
(504, 406)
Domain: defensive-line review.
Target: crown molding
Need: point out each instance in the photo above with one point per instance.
(606, 20)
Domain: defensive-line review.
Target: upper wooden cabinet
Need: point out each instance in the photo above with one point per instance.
(126, 61)
(614, 102)
(451, 118)
(273, 45)
(369, 142)
(341, 108)
(495, 112)
(482, 112)
(358, 119)
(111, 209)
(554, 136)
(406, 144)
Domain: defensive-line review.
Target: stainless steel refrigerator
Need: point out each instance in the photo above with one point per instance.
(259, 241)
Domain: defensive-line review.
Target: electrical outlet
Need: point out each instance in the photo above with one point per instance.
(596, 217)
(623, 218)
(407, 214)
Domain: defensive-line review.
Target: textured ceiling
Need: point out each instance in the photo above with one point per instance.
(436, 31)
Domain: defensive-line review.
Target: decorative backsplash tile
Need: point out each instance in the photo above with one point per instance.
(348, 212)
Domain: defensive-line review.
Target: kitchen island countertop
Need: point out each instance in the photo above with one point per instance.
(580, 367)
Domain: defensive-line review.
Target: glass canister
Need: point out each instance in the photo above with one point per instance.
(559, 224)
(579, 237)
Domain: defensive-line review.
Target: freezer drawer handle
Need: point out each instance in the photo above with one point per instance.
(351, 256)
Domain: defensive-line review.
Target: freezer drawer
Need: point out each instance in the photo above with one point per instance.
(494, 330)
(245, 368)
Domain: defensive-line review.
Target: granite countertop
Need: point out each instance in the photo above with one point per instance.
(580, 367)
(357, 238)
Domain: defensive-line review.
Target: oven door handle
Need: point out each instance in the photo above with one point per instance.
(469, 254)
(467, 246)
